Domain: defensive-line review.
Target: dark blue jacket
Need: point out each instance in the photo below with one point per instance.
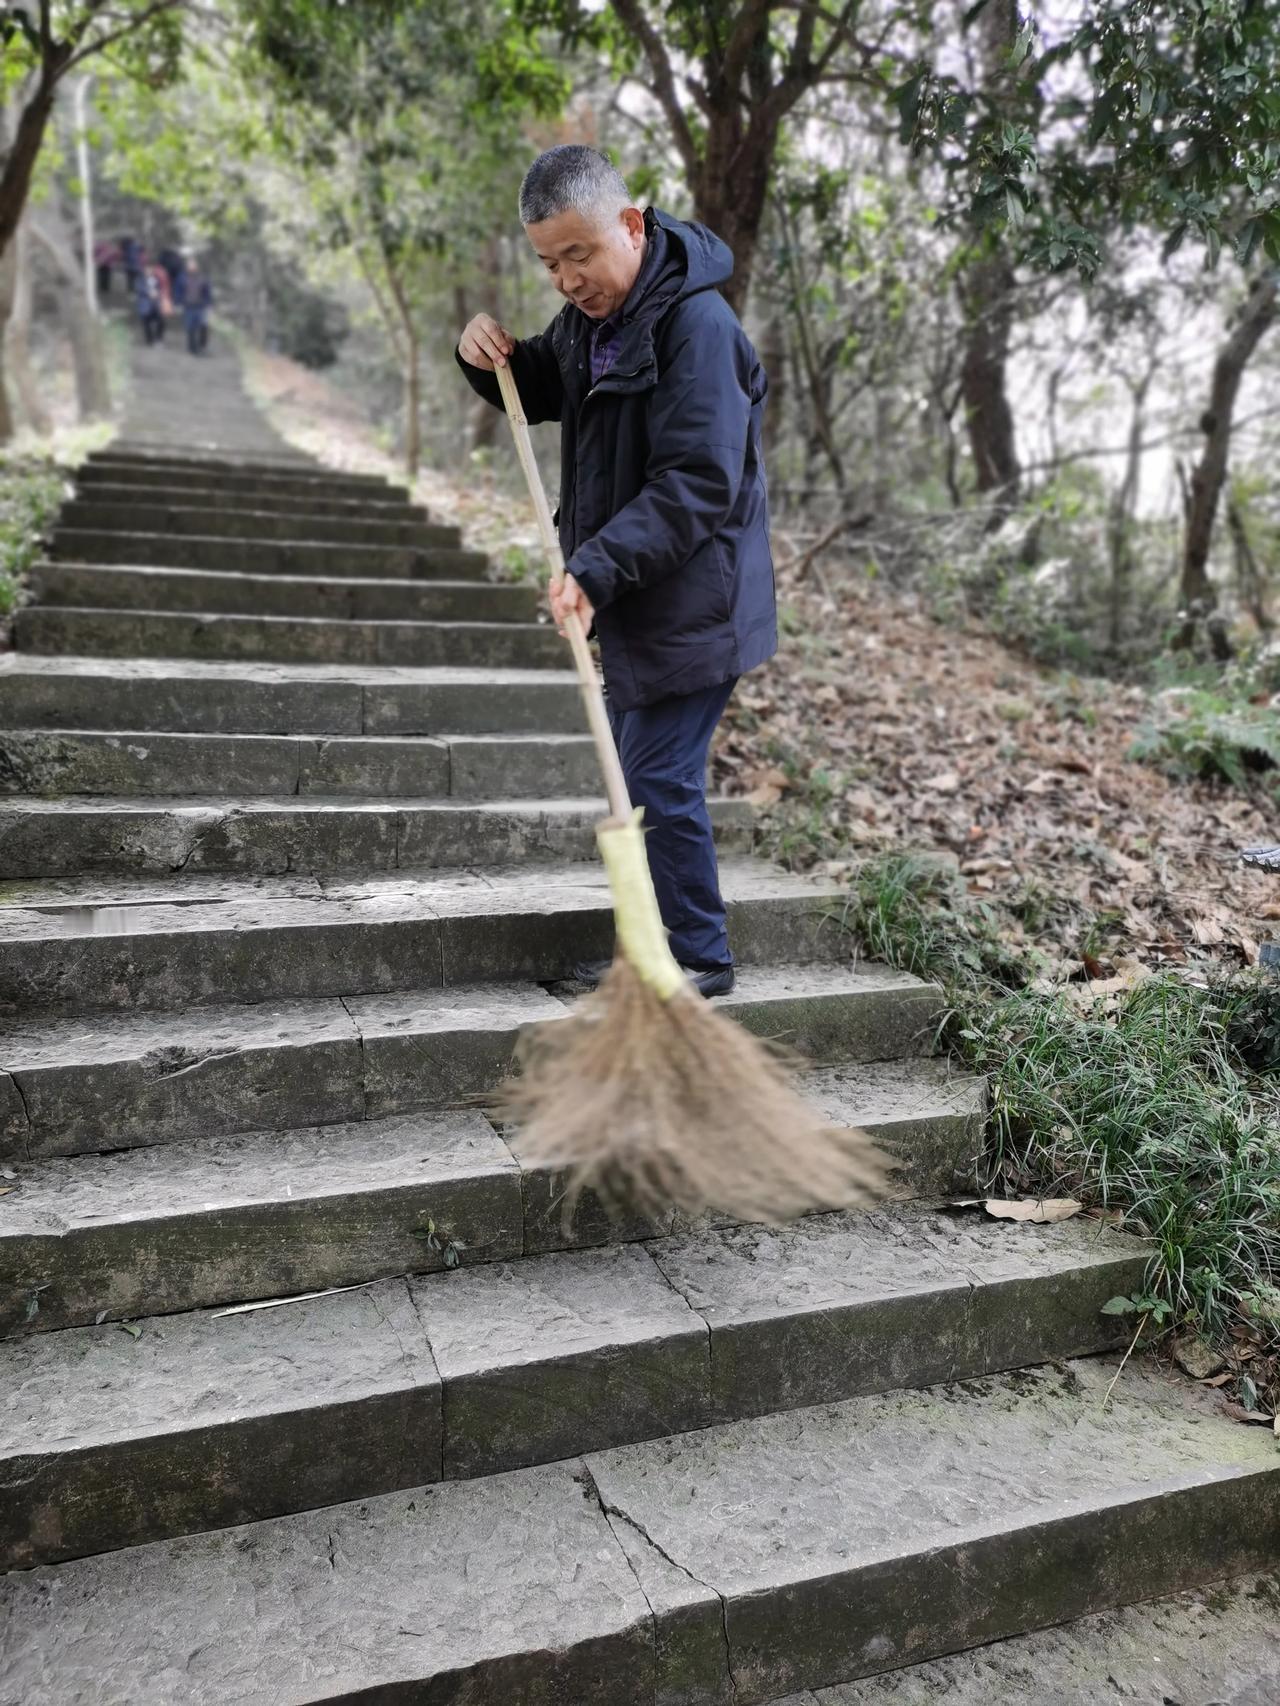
(664, 511)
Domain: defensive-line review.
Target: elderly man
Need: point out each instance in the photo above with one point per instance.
(663, 515)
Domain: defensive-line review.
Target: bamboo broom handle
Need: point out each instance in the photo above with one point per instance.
(592, 696)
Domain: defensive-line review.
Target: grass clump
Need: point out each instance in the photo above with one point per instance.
(30, 495)
(1159, 1103)
(1221, 727)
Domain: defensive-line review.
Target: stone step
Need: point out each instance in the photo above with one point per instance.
(193, 696)
(260, 465)
(202, 591)
(268, 556)
(108, 500)
(245, 523)
(218, 1219)
(243, 479)
(1209, 1644)
(97, 944)
(273, 835)
(151, 450)
(53, 762)
(122, 1081)
(198, 1421)
(737, 1562)
(286, 639)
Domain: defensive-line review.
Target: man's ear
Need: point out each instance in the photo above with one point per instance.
(633, 219)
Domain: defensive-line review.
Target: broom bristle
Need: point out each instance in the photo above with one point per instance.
(670, 1104)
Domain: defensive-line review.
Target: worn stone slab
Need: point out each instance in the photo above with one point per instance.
(555, 1354)
(109, 945)
(304, 832)
(904, 1296)
(1211, 1646)
(505, 767)
(209, 591)
(484, 1593)
(270, 556)
(106, 501)
(243, 697)
(433, 1047)
(152, 1231)
(133, 1080)
(379, 765)
(249, 521)
(231, 473)
(158, 633)
(204, 1420)
(845, 1540)
(53, 762)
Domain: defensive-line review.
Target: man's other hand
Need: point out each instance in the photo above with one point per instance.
(485, 344)
(570, 596)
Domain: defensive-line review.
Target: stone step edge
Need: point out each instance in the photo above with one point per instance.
(307, 1210)
(80, 1087)
(452, 1397)
(584, 1584)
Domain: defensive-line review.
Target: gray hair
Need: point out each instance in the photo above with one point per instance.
(572, 178)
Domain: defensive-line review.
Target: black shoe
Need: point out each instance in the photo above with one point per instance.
(716, 980)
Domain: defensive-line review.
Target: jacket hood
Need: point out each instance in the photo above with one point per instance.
(693, 259)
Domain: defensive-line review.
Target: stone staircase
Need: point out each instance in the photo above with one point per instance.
(296, 837)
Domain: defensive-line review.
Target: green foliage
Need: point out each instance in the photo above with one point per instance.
(1156, 113)
(30, 495)
(1161, 1103)
(1216, 731)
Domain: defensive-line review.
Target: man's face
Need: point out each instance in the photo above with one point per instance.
(592, 265)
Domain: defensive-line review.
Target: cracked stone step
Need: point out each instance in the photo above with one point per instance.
(211, 521)
(207, 591)
(203, 1420)
(265, 1213)
(57, 762)
(1210, 1644)
(95, 944)
(738, 1563)
(190, 695)
(150, 633)
(125, 1081)
(296, 557)
(107, 500)
(272, 835)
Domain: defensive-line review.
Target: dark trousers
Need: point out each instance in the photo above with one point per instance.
(664, 748)
(197, 330)
(153, 327)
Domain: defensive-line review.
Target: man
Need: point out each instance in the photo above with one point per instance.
(663, 515)
(197, 299)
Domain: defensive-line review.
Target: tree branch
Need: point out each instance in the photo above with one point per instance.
(636, 21)
(136, 23)
(741, 40)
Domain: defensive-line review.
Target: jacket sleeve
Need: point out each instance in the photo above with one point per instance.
(699, 421)
(537, 373)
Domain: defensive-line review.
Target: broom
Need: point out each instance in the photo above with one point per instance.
(647, 1094)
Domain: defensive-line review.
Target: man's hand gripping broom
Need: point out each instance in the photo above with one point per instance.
(647, 1094)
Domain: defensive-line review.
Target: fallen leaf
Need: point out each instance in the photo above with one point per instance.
(1039, 1209)
(1238, 1413)
(765, 795)
(946, 783)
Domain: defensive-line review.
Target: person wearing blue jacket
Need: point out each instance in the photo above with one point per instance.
(664, 514)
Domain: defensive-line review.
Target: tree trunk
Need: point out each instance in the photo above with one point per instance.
(773, 355)
(1120, 514)
(20, 161)
(1249, 578)
(1197, 594)
(93, 395)
(8, 286)
(986, 289)
(18, 335)
(412, 406)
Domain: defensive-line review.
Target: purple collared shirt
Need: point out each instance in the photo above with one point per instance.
(604, 345)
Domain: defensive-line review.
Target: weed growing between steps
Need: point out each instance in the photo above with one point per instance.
(31, 491)
(1152, 1098)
